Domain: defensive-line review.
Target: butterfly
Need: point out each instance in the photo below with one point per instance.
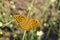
(26, 23)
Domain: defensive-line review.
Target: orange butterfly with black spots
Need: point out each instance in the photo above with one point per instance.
(26, 23)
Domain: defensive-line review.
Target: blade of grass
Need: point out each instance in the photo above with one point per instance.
(59, 31)
(48, 33)
(24, 35)
(46, 8)
(30, 8)
(8, 23)
(33, 33)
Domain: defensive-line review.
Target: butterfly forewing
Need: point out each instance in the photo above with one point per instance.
(20, 19)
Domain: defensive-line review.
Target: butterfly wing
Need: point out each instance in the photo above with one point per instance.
(31, 24)
(20, 19)
(34, 23)
(26, 27)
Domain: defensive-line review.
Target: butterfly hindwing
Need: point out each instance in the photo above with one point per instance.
(33, 23)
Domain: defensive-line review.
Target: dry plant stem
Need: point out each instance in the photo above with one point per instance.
(46, 8)
(43, 14)
(30, 8)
